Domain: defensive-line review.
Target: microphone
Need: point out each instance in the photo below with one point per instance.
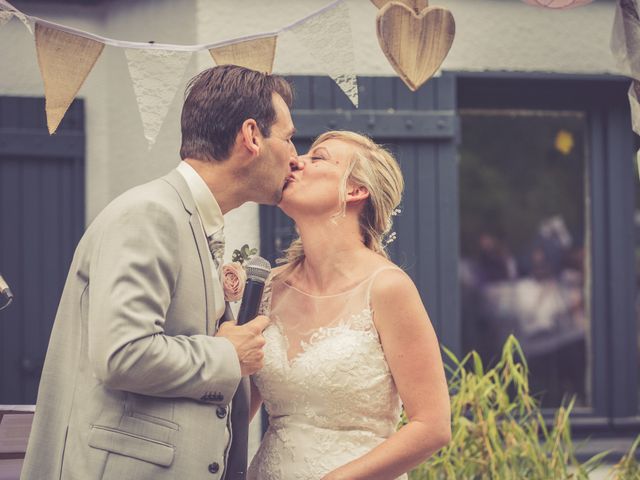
(258, 269)
(6, 296)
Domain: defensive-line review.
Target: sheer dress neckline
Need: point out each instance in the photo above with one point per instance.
(344, 292)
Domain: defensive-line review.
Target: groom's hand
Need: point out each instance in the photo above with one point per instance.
(248, 342)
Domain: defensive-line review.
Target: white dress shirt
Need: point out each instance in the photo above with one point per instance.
(211, 219)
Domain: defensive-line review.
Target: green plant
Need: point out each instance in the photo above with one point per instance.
(498, 431)
(628, 467)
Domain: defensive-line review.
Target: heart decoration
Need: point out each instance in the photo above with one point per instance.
(415, 44)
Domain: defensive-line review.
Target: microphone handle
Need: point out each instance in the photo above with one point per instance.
(251, 299)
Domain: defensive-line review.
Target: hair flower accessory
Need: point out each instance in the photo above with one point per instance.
(234, 276)
(389, 239)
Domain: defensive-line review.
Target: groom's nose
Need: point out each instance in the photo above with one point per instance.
(296, 163)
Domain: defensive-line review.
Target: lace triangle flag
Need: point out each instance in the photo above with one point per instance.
(625, 46)
(256, 54)
(634, 103)
(4, 17)
(328, 38)
(26, 20)
(557, 4)
(625, 38)
(7, 11)
(156, 75)
(65, 61)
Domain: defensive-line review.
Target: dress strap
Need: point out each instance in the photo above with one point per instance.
(373, 277)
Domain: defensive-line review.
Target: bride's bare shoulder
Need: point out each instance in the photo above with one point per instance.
(392, 283)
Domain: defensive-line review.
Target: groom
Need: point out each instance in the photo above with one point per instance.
(140, 373)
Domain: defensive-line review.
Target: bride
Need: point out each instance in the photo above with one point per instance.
(350, 341)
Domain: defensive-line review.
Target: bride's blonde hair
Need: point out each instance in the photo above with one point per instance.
(372, 167)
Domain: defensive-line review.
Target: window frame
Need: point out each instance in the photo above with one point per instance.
(610, 151)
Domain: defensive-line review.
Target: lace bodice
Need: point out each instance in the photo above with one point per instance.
(325, 384)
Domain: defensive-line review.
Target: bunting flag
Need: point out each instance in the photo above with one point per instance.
(26, 21)
(257, 54)
(625, 46)
(65, 61)
(634, 103)
(7, 11)
(557, 4)
(328, 38)
(625, 38)
(156, 75)
(4, 17)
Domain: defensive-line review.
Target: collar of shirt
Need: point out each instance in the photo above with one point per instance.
(208, 208)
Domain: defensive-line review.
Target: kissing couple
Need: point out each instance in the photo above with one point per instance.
(147, 375)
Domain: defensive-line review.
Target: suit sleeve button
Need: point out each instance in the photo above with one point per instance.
(214, 467)
(221, 412)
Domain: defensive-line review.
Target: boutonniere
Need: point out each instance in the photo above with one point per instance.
(234, 276)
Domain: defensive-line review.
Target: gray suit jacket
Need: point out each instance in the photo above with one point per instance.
(134, 384)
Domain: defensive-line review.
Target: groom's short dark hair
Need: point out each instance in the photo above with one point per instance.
(218, 101)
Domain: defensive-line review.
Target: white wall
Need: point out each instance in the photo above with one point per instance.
(491, 35)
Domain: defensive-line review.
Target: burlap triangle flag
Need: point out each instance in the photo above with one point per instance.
(256, 54)
(65, 61)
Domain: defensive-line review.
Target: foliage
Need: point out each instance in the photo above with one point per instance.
(243, 254)
(498, 431)
(628, 467)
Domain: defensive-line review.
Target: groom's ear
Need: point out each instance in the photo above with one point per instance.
(249, 136)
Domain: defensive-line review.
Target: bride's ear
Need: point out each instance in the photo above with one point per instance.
(356, 193)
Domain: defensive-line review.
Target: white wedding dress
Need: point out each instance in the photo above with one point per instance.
(325, 383)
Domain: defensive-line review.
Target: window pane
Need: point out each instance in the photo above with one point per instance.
(523, 231)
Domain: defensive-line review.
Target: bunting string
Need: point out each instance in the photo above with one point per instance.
(67, 55)
(5, 5)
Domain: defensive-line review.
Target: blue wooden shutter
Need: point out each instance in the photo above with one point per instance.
(41, 221)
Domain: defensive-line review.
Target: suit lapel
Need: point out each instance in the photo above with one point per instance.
(203, 251)
(178, 183)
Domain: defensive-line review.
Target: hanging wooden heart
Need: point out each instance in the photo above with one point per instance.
(415, 44)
